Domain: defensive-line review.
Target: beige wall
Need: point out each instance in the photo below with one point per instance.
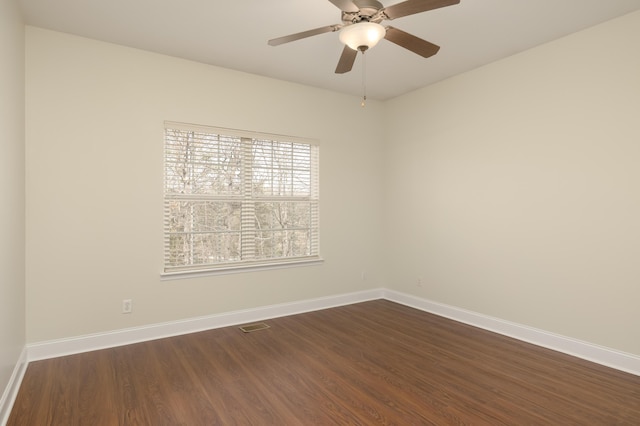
(12, 282)
(514, 190)
(95, 115)
(511, 190)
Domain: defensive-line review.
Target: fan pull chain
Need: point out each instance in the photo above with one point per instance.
(364, 80)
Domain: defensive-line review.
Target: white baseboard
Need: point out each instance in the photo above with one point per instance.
(588, 351)
(86, 343)
(11, 391)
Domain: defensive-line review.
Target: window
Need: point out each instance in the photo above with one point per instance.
(236, 199)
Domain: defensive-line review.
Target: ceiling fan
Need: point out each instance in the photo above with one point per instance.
(361, 28)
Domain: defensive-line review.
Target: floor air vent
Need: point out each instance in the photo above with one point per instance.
(254, 327)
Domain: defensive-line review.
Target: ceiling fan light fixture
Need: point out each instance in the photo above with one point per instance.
(362, 34)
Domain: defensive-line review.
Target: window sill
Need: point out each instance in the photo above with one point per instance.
(237, 269)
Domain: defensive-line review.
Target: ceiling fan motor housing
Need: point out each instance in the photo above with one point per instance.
(370, 11)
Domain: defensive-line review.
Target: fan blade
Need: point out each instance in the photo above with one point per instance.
(346, 61)
(293, 37)
(411, 42)
(411, 7)
(346, 5)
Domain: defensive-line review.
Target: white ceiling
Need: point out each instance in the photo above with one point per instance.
(234, 33)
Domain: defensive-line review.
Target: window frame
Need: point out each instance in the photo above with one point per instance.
(247, 196)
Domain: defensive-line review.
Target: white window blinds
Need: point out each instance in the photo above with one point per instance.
(235, 198)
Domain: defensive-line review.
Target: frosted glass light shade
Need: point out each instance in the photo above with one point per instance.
(362, 34)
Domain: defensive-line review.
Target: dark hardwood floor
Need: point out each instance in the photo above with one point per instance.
(365, 364)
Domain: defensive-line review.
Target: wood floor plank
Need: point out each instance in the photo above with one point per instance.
(372, 363)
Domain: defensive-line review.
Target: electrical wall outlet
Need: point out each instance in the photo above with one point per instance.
(127, 306)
